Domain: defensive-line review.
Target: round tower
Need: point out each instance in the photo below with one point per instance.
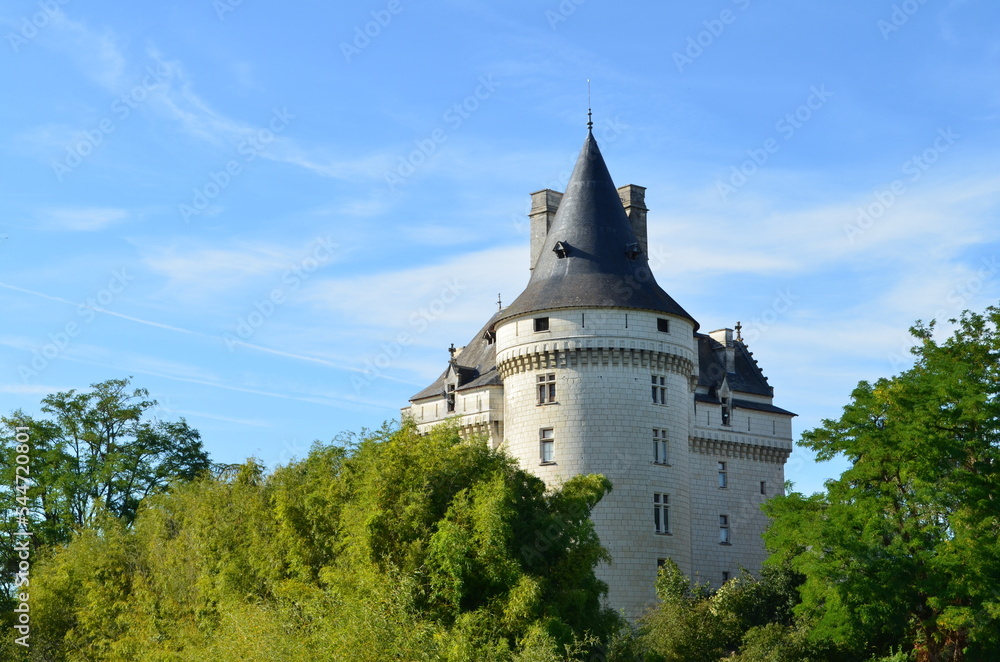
(599, 365)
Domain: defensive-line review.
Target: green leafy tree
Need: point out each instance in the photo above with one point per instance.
(96, 452)
(902, 549)
(397, 546)
(696, 624)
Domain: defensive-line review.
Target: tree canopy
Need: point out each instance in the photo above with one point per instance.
(902, 549)
(394, 546)
(96, 451)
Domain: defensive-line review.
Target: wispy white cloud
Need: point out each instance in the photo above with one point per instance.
(196, 271)
(30, 389)
(453, 290)
(82, 219)
(96, 53)
(741, 237)
(257, 423)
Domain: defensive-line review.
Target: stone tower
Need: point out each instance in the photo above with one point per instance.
(595, 369)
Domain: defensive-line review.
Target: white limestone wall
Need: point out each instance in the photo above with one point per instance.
(477, 411)
(740, 500)
(751, 456)
(602, 422)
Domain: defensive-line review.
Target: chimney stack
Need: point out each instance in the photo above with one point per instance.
(544, 204)
(634, 200)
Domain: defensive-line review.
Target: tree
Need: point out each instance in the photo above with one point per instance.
(696, 624)
(902, 548)
(97, 451)
(397, 546)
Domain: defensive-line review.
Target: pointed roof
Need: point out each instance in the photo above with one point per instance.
(476, 366)
(590, 258)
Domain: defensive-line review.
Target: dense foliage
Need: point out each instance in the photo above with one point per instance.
(747, 619)
(96, 452)
(399, 546)
(901, 552)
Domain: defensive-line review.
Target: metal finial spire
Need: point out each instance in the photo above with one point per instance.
(499, 302)
(590, 114)
(739, 332)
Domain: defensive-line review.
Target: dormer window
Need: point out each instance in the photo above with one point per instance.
(541, 324)
(560, 249)
(632, 251)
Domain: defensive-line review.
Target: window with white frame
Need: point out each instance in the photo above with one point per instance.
(724, 538)
(661, 512)
(723, 476)
(546, 442)
(546, 389)
(660, 446)
(659, 385)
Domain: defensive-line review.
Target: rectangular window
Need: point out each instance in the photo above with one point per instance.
(547, 444)
(663, 325)
(724, 530)
(723, 479)
(725, 411)
(660, 446)
(541, 324)
(763, 487)
(546, 389)
(659, 385)
(661, 512)
(451, 398)
(725, 576)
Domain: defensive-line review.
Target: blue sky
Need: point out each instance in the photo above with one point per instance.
(246, 205)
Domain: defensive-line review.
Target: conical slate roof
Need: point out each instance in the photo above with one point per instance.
(595, 263)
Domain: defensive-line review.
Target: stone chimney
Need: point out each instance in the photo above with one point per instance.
(634, 200)
(544, 204)
(725, 338)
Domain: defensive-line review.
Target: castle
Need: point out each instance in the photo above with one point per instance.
(595, 369)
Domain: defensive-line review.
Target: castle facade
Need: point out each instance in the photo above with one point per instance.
(594, 368)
